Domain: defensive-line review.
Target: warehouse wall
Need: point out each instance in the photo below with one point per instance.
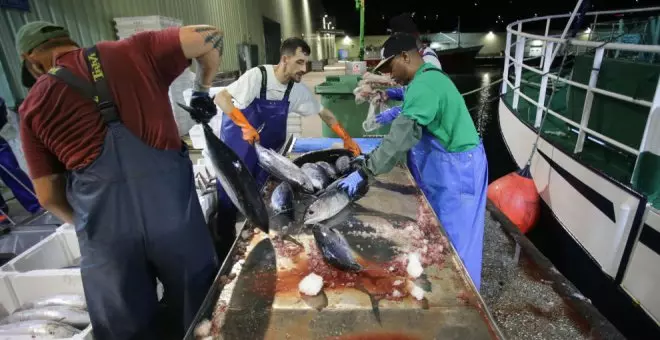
(90, 21)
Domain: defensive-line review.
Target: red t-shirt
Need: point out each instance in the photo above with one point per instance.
(62, 130)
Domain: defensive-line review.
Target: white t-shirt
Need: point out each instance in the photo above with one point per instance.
(430, 57)
(248, 87)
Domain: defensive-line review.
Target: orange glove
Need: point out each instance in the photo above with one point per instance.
(250, 135)
(349, 143)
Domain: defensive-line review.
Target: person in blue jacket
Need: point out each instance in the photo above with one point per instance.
(13, 176)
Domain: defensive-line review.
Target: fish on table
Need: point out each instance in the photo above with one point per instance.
(343, 165)
(37, 329)
(327, 205)
(76, 317)
(283, 168)
(329, 169)
(281, 200)
(70, 300)
(317, 175)
(335, 249)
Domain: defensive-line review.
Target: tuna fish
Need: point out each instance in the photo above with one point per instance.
(329, 169)
(70, 300)
(38, 329)
(318, 176)
(281, 200)
(235, 178)
(75, 317)
(343, 164)
(327, 205)
(335, 249)
(283, 168)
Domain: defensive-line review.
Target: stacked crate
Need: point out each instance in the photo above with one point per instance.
(41, 271)
(127, 26)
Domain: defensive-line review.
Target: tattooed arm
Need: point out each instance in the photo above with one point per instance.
(204, 44)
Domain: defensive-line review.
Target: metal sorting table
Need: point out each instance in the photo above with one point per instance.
(256, 296)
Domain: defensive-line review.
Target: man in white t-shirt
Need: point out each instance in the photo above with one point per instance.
(265, 95)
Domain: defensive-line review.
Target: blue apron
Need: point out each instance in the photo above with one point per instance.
(455, 184)
(16, 179)
(138, 218)
(272, 113)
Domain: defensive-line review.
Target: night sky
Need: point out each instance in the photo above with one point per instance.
(476, 15)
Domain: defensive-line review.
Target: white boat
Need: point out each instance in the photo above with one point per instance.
(597, 165)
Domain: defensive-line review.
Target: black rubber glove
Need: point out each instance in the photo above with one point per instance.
(203, 108)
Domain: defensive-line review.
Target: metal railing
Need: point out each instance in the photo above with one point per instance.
(551, 46)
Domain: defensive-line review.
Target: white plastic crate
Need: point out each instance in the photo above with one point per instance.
(127, 26)
(156, 21)
(56, 251)
(17, 289)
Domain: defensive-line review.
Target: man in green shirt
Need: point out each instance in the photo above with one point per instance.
(445, 153)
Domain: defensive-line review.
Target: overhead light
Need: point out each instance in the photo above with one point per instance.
(490, 35)
(325, 16)
(435, 45)
(347, 40)
(588, 30)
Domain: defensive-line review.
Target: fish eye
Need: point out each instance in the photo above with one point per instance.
(311, 212)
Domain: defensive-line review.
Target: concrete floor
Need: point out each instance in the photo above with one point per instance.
(522, 302)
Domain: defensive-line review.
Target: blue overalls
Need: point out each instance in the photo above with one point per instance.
(455, 184)
(12, 175)
(137, 217)
(274, 114)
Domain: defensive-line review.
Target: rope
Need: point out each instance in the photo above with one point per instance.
(482, 88)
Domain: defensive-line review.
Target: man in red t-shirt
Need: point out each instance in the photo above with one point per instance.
(115, 167)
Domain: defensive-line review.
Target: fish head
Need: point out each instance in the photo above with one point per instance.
(311, 214)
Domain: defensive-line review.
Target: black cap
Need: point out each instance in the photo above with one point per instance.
(395, 45)
(403, 23)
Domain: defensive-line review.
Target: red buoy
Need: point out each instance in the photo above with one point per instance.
(515, 195)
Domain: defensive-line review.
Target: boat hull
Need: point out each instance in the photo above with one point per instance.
(604, 217)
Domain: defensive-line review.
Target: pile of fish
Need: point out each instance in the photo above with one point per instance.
(329, 201)
(59, 316)
(320, 179)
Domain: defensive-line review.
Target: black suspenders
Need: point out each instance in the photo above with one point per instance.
(98, 90)
(264, 84)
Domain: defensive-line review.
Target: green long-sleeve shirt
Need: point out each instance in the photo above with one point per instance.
(431, 101)
(404, 134)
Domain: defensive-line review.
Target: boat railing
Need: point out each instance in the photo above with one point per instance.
(551, 46)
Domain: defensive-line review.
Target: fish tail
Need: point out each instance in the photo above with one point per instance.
(374, 301)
